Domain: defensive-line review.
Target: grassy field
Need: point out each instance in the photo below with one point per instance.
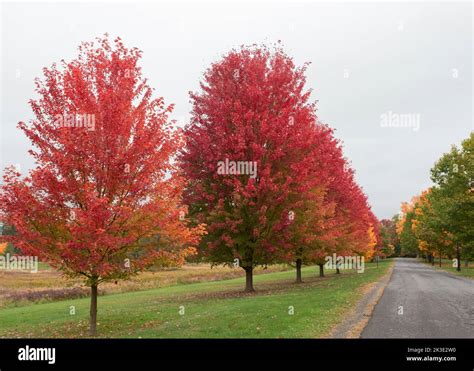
(447, 265)
(217, 309)
(24, 288)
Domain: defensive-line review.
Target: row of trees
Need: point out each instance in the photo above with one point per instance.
(109, 200)
(438, 223)
(304, 203)
(390, 242)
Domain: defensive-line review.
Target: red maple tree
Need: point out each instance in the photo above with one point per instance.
(103, 201)
(253, 108)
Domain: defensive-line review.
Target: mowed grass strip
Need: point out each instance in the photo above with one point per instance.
(216, 309)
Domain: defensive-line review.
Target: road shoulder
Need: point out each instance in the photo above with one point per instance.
(356, 320)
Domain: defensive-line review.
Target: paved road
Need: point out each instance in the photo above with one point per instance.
(435, 304)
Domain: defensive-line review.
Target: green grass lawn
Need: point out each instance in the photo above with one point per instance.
(216, 309)
(447, 265)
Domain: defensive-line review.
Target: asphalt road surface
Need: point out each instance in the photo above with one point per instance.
(435, 304)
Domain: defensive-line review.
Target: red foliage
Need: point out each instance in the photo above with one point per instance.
(253, 107)
(103, 191)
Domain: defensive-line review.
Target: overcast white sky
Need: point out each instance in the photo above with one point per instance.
(367, 59)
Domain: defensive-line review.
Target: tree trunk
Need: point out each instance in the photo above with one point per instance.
(93, 311)
(249, 279)
(458, 257)
(440, 260)
(298, 271)
(321, 270)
